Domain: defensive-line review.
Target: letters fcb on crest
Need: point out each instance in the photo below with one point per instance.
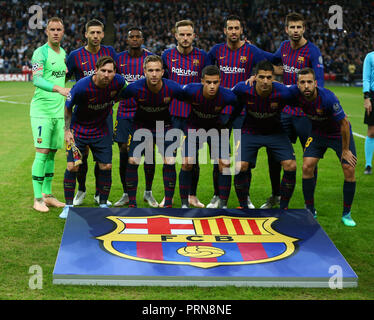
(201, 242)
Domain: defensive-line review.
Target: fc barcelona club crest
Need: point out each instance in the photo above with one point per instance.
(201, 242)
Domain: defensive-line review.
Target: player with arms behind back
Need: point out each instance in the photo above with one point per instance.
(81, 63)
(130, 65)
(47, 112)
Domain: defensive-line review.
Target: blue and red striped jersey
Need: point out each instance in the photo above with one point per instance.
(295, 60)
(205, 113)
(91, 106)
(150, 106)
(262, 113)
(81, 63)
(235, 65)
(183, 69)
(325, 112)
(132, 69)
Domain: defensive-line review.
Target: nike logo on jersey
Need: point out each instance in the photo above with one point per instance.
(122, 65)
(84, 62)
(222, 57)
(173, 60)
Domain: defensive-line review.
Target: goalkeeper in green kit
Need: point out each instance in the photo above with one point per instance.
(47, 113)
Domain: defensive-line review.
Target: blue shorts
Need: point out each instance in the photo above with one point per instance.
(279, 145)
(179, 122)
(109, 121)
(296, 126)
(143, 144)
(123, 131)
(218, 142)
(101, 148)
(316, 146)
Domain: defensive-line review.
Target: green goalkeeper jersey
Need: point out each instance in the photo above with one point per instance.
(49, 69)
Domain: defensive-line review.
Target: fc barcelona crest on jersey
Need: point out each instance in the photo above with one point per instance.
(196, 62)
(201, 242)
(243, 59)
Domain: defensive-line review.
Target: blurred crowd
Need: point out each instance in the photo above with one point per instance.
(343, 50)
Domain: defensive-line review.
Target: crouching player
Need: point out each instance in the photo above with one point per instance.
(330, 129)
(262, 128)
(87, 107)
(207, 100)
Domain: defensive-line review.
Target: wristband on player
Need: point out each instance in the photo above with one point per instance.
(366, 95)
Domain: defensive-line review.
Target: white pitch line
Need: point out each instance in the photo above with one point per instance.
(12, 102)
(358, 135)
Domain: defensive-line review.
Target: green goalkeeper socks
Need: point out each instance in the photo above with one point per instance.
(49, 169)
(37, 172)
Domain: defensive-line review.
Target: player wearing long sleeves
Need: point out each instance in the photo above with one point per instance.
(47, 113)
(368, 90)
(87, 108)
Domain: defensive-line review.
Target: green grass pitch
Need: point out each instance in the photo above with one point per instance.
(30, 238)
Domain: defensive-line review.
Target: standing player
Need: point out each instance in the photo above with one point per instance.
(184, 65)
(294, 54)
(81, 63)
(368, 89)
(207, 100)
(47, 112)
(262, 128)
(235, 59)
(87, 108)
(130, 65)
(330, 129)
(153, 95)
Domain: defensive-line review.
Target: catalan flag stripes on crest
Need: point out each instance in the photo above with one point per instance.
(220, 226)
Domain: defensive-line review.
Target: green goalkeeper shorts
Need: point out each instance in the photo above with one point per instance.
(48, 133)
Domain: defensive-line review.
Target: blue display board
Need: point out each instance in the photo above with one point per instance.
(203, 247)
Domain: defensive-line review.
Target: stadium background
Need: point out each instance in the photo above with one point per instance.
(343, 52)
(28, 238)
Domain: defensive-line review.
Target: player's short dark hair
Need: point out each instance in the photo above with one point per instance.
(134, 28)
(294, 16)
(102, 61)
(55, 19)
(210, 71)
(264, 65)
(152, 58)
(232, 17)
(94, 23)
(305, 71)
(183, 23)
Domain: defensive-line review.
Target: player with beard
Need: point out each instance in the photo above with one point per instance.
(184, 65)
(264, 101)
(130, 65)
(236, 59)
(294, 54)
(81, 63)
(330, 129)
(86, 111)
